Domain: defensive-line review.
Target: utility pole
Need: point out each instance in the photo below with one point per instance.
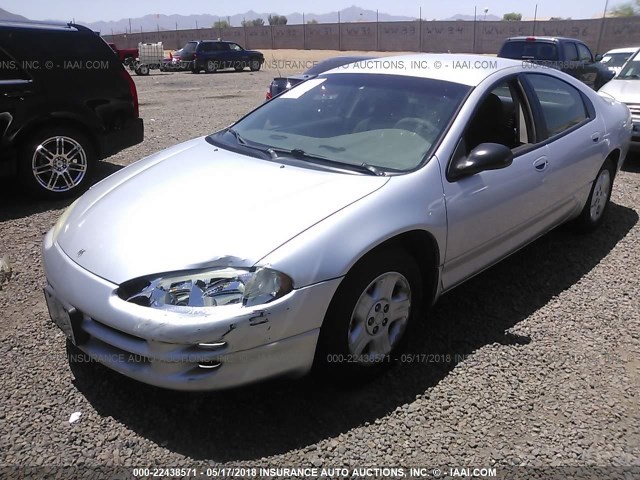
(535, 17)
(604, 15)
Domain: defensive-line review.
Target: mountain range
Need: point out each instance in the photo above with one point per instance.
(182, 22)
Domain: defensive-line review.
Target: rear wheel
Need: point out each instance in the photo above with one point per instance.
(56, 162)
(211, 66)
(369, 316)
(594, 210)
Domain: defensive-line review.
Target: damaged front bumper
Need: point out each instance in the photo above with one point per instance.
(199, 349)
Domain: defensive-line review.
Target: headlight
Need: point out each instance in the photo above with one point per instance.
(208, 288)
(63, 219)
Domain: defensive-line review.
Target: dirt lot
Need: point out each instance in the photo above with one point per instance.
(534, 363)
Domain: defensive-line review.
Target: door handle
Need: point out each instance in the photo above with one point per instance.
(541, 164)
(595, 137)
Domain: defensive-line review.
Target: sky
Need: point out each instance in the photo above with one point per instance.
(91, 11)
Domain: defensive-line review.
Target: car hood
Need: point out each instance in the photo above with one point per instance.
(625, 91)
(197, 206)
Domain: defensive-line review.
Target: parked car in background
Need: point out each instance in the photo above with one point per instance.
(565, 54)
(174, 63)
(280, 84)
(126, 55)
(365, 194)
(616, 58)
(66, 101)
(214, 55)
(625, 88)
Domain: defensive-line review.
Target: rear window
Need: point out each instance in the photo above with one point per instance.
(531, 50)
(189, 48)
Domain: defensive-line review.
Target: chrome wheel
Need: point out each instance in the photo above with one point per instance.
(600, 195)
(59, 163)
(379, 318)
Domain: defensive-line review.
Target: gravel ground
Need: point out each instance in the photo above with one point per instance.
(536, 362)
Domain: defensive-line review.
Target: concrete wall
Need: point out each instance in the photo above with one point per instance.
(426, 36)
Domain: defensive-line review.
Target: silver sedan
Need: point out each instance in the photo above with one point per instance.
(315, 229)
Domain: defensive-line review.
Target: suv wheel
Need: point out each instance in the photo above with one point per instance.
(56, 162)
(254, 66)
(211, 66)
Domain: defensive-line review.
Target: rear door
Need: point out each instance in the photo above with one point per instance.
(575, 140)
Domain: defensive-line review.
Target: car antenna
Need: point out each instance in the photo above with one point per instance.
(276, 62)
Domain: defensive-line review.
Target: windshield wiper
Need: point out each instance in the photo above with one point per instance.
(301, 154)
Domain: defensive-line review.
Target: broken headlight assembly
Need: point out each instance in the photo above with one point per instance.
(208, 288)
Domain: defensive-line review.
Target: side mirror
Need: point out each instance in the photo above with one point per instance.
(599, 57)
(486, 156)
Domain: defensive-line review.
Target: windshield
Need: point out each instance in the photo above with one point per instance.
(631, 70)
(389, 122)
(615, 59)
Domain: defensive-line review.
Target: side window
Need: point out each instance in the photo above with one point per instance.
(584, 54)
(562, 105)
(222, 46)
(501, 117)
(205, 47)
(10, 69)
(235, 46)
(570, 52)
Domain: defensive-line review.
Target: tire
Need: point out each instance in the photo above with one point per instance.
(595, 209)
(362, 331)
(56, 162)
(255, 65)
(211, 66)
(144, 70)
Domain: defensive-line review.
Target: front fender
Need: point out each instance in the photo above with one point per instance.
(329, 249)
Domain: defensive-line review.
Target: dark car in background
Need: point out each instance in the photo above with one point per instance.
(280, 84)
(66, 101)
(565, 54)
(214, 55)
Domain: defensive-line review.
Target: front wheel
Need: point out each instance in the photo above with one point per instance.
(369, 316)
(254, 65)
(594, 210)
(56, 162)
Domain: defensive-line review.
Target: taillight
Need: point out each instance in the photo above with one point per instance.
(133, 91)
(268, 96)
(531, 39)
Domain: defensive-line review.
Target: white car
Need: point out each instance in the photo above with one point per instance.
(351, 201)
(616, 58)
(625, 88)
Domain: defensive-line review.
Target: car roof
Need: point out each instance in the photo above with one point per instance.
(44, 25)
(457, 68)
(622, 50)
(543, 38)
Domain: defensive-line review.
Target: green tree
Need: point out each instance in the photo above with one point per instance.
(277, 20)
(512, 17)
(221, 24)
(258, 22)
(313, 21)
(559, 18)
(628, 9)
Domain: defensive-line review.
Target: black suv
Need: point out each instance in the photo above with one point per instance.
(566, 54)
(214, 55)
(65, 102)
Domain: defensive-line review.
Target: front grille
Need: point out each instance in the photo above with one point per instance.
(634, 108)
